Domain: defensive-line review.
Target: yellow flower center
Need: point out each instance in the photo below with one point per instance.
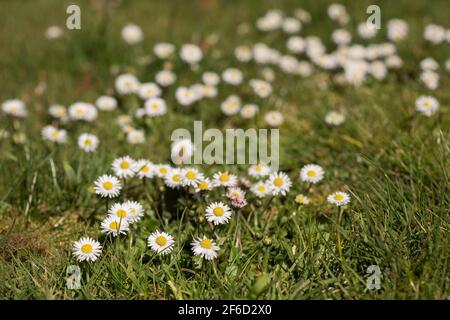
(176, 178)
(107, 185)
(124, 165)
(261, 188)
(278, 182)
(203, 185)
(311, 173)
(121, 213)
(339, 197)
(300, 199)
(258, 168)
(224, 177)
(55, 134)
(218, 211)
(155, 106)
(145, 169)
(88, 142)
(191, 175)
(86, 248)
(161, 241)
(114, 225)
(206, 244)
(163, 170)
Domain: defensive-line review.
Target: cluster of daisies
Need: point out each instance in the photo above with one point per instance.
(261, 181)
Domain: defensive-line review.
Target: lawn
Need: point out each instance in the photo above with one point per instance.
(391, 160)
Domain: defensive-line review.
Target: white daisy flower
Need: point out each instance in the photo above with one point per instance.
(237, 197)
(155, 107)
(161, 242)
(209, 91)
(334, 118)
(58, 111)
(218, 213)
(397, 29)
(119, 210)
(259, 170)
(53, 134)
(274, 118)
(165, 78)
(135, 211)
(341, 37)
(191, 177)
(279, 183)
(434, 33)
(163, 50)
(261, 88)
(224, 179)
(126, 84)
(311, 173)
(302, 199)
(174, 178)
(191, 53)
(260, 189)
(144, 169)
(86, 249)
(88, 142)
(291, 25)
(339, 198)
(296, 44)
(132, 34)
(14, 107)
(232, 76)
(210, 78)
(231, 105)
(123, 167)
(243, 53)
(53, 33)
(205, 248)
(107, 186)
(366, 30)
(182, 151)
(204, 184)
(82, 111)
(185, 96)
(136, 136)
(162, 170)
(106, 103)
(430, 79)
(427, 105)
(248, 111)
(149, 90)
(115, 226)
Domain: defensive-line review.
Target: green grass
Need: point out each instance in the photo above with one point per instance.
(393, 162)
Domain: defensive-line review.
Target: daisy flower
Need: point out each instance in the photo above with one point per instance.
(165, 78)
(185, 96)
(126, 84)
(106, 103)
(301, 199)
(135, 136)
(191, 53)
(174, 178)
(243, 53)
(427, 105)
(86, 249)
(132, 34)
(114, 225)
(144, 169)
(155, 107)
(14, 107)
(149, 90)
(88, 142)
(279, 183)
(259, 170)
(58, 111)
(82, 111)
(311, 173)
(163, 50)
(218, 213)
(123, 167)
(237, 197)
(53, 134)
(224, 179)
(53, 32)
(274, 118)
(232, 76)
(249, 111)
(339, 198)
(162, 170)
(260, 189)
(231, 105)
(135, 211)
(204, 184)
(161, 242)
(191, 177)
(107, 186)
(119, 210)
(205, 248)
(210, 78)
(334, 118)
